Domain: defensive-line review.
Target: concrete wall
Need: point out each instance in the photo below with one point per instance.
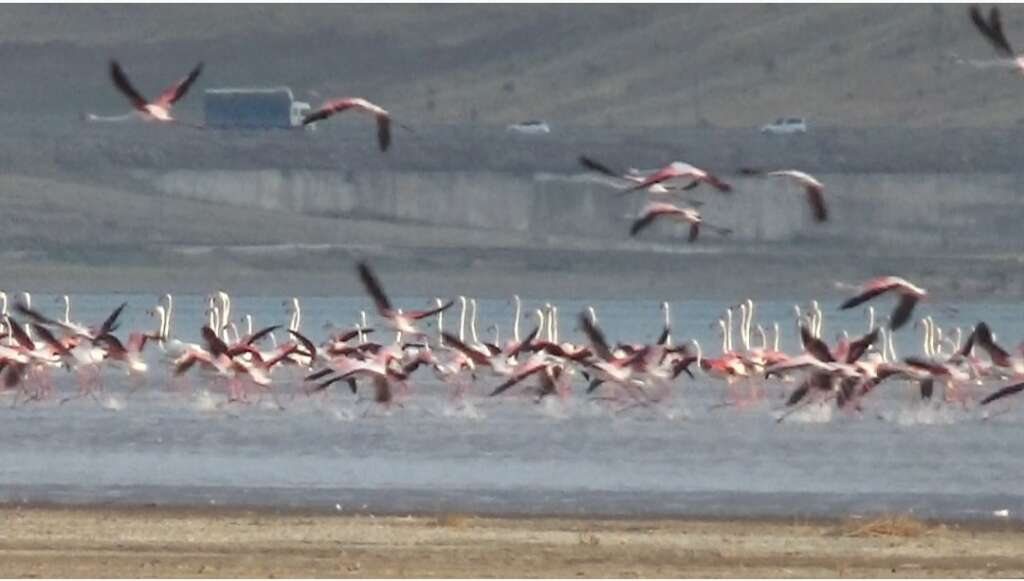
(881, 213)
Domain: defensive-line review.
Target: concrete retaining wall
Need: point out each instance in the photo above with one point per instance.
(883, 213)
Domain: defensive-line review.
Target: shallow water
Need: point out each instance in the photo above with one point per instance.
(507, 454)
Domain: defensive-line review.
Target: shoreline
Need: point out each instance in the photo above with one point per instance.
(989, 524)
(229, 542)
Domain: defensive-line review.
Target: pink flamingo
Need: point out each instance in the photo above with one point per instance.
(654, 210)
(680, 170)
(813, 188)
(909, 295)
(331, 108)
(159, 110)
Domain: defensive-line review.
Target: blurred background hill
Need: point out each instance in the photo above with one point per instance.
(880, 86)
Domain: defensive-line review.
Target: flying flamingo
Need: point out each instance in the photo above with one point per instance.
(399, 321)
(992, 30)
(909, 295)
(654, 210)
(677, 170)
(159, 110)
(813, 188)
(594, 165)
(338, 105)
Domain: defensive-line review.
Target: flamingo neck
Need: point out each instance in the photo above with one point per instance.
(440, 324)
(668, 323)
(166, 330)
(67, 310)
(462, 319)
(728, 331)
(472, 322)
(554, 324)
(515, 322)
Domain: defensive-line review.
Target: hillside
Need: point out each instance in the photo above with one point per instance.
(729, 65)
(634, 85)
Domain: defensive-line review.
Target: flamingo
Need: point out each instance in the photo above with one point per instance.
(681, 170)
(909, 296)
(654, 210)
(814, 188)
(656, 189)
(397, 320)
(338, 105)
(992, 30)
(159, 110)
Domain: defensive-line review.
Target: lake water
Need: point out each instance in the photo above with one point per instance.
(687, 456)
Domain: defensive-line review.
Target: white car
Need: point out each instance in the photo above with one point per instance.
(530, 127)
(785, 125)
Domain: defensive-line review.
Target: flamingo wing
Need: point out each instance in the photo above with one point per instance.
(477, 357)
(596, 337)
(717, 183)
(929, 366)
(659, 176)
(991, 30)
(310, 347)
(255, 337)
(597, 166)
(374, 289)
(816, 200)
(50, 340)
(860, 346)
(110, 323)
(1004, 392)
(20, 335)
(516, 379)
(214, 343)
(815, 346)
(983, 335)
(318, 115)
(174, 93)
(115, 348)
(643, 222)
(383, 132)
(694, 232)
(799, 393)
(904, 309)
(865, 296)
(417, 315)
(125, 86)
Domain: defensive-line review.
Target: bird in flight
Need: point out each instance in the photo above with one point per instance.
(654, 210)
(159, 110)
(331, 108)
(992, 30)
(628, 178)
(909, 295)
(681, 170)
(814, 188)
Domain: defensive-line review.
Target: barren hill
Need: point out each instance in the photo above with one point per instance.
(620, 65)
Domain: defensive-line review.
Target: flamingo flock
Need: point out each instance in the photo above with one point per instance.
(407, 350)
(390, 357)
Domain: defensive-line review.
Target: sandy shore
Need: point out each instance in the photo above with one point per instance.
(101, 542)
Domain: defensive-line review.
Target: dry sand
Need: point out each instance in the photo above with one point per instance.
(141, 542)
